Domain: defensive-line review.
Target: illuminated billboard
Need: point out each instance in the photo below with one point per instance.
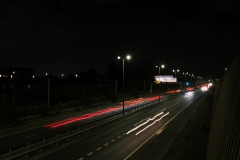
(165, 78)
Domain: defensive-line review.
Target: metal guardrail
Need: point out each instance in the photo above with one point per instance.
(46, 143)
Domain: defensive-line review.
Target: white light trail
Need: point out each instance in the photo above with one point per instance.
(150, 119)
(141, 121)
(189, 94)
(152, 123)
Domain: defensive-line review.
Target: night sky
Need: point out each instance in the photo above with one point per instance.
(68, 36)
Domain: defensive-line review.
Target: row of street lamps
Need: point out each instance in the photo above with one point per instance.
(128, 57)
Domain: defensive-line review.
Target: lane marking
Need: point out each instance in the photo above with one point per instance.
(113, 140)
(119, 137)
(90, 153)
(98, 148)
(106, 144)
(31, 136)
(159, 130)
(163, 109)
(80, 159)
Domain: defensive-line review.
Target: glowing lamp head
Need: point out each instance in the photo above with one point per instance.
(162, 66)
(128, 57)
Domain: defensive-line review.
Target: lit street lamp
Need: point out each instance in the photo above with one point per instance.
(176, 72)
(162, 66)
(191, 75)
(185, 73)
(127, 57)
(190, 80)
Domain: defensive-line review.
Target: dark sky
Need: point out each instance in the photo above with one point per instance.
(68, 36)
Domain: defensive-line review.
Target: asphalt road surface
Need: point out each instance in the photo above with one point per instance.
(17, 138)
(144, 135)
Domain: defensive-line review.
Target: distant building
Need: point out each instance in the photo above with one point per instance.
(18, 72)
(16, 76)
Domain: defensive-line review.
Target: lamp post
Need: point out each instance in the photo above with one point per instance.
(13, 87)
(176, 70)
(162, 66)
(197, 79)
(127, 57)
(189, 74)
(185, 73)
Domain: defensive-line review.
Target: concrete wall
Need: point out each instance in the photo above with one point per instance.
(224, 138)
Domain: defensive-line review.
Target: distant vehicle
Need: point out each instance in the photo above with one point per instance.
(204, 88)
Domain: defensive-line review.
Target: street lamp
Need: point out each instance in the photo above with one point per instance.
(14, 87)
(190, 80)
(127, 57)
(185, 73)
(198, 77)
(176, 72)
(191, 77)
(162, 66)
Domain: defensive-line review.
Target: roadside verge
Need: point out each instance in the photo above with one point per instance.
(191, 143)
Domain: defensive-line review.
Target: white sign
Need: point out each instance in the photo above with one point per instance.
(165, 78)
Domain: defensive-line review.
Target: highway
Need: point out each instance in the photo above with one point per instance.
(30, 135)
(127, 138)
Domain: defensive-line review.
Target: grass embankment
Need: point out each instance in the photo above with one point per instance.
(191, 143)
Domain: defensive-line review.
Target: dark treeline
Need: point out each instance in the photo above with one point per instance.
(23, 97)
(42, 95)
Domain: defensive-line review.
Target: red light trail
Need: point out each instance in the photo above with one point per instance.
(103, 111)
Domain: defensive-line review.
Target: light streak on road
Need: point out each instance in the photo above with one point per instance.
(83, 117)
(127, 104)
(141, 121)
(152, 123)
(173, 91)
(189, 94)
(151, 119)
